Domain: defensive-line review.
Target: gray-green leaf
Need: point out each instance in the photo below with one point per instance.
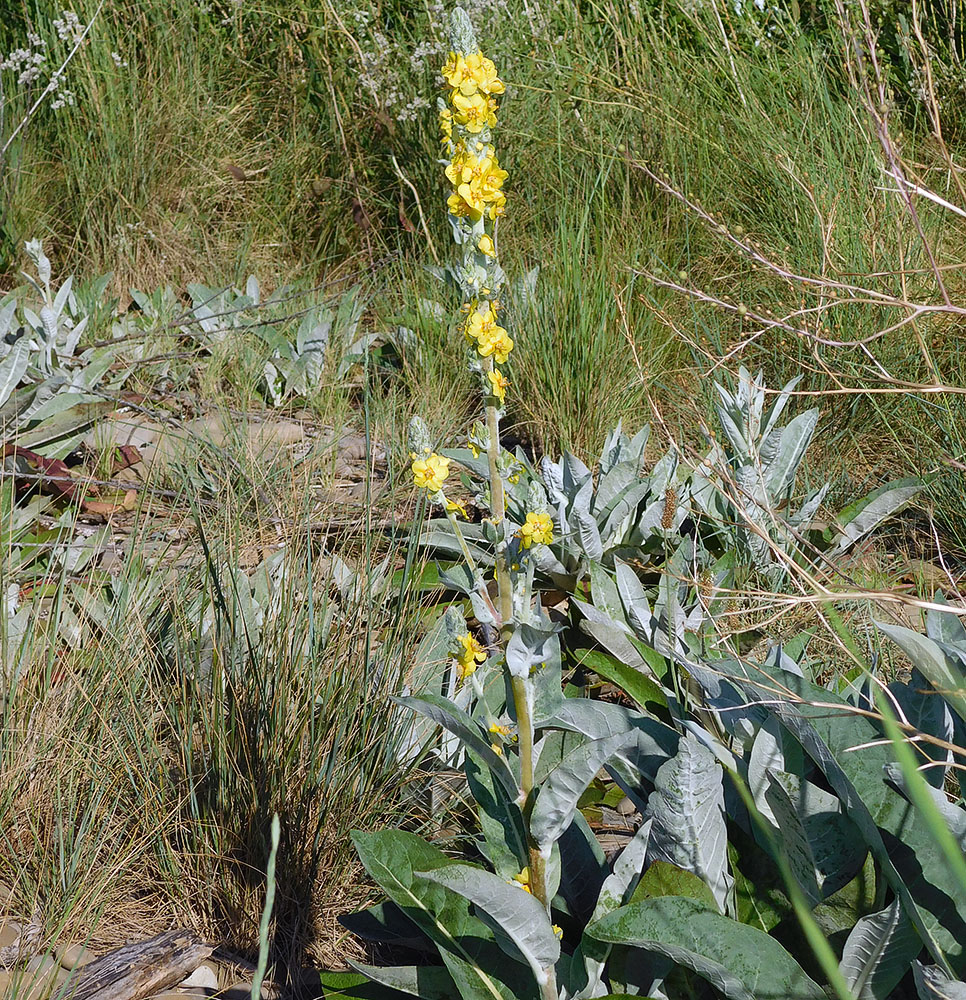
(516, 912)
(878, 952)
(740, 961)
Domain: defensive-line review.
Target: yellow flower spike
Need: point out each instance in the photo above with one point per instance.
(500, 730)
(485, 245)
(498, 384)
(430, 473)
(470, 655)
(538, 528)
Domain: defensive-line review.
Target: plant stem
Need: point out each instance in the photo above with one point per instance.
(464, 548)
(498, 510)
(538, 864)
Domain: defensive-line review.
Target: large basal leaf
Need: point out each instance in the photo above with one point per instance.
(428, 982)
(861, 517)
(926, 710)
(878, 952)
(638, 763)
(466, 944)
(663, 879)
(739, 961)
(794, 840)
(687, 808)
(517, 913)
(351, 986)
(557, 798)
(849, 752)
(501, 820)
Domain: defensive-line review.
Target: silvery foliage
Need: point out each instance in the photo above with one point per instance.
(44, 377)
(297, 366)
(824, 780)
(830, 803)
(737, 497)
(744, 483)
(621, 510)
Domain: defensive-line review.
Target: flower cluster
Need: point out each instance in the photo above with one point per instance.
(469, 655)
(537, 529)
(490, 339)
(476, 201)
(477, 180)
(430, 472)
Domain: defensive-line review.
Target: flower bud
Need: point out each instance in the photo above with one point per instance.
(419, 442)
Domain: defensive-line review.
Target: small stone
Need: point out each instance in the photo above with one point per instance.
(9, 933)
(42, 965)
(73, 956)
(626, 807)
(204, 976)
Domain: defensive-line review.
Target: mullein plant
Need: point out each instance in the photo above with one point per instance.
(528, 753)
(544, 915)
(476, 202)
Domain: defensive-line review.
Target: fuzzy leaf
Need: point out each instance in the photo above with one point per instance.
(557, 799)
(740, 961)
(462, 726)
(869, 512)
(687, 807)
(933, 984)
(942, 665)
(878, 952)
(517, 913)
(12, 368)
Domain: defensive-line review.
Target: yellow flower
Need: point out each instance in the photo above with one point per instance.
(455, 71)
(473, 448)
(482, 73)
(557, 930)
(446, 125)
(537, 528)
(481, 324)
(457, 506)
(523, 880)
(430, 473)
(471, 653)
(485, 245)
(500, 730)
(472, 73)
(497, 749)
(498, 384)
(478, 180)
(497, 342)
(475, 112)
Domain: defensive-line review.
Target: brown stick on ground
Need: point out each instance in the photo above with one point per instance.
(140, 970)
